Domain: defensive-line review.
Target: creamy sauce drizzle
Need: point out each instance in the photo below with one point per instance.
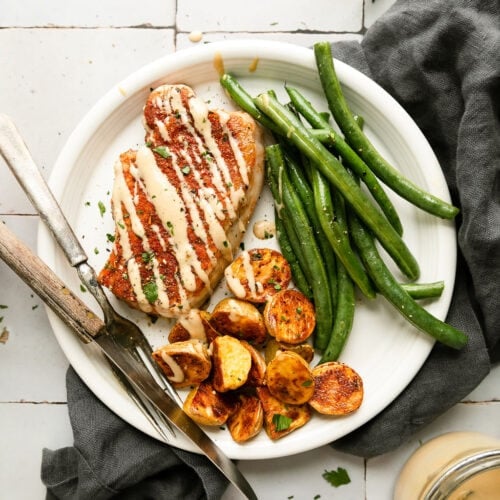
(236, 284)
(207, 207)
(193, 323)
(177, 372)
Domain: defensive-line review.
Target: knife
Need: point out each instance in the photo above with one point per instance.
(89, 327)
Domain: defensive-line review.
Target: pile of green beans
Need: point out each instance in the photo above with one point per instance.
(327, 224)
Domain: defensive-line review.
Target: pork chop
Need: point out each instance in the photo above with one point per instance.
(182, 202)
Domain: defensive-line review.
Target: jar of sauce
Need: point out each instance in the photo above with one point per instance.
(454, 466)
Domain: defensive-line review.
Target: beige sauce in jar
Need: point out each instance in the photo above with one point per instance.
(452, 466)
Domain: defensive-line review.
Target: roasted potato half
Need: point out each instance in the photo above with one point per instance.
(240, 319)
(304, 350)
(194, 325)
(231, 363)
(247, 421)
(184, 363)
(258, 274)
(338, 389)
(206, 406)
(289, 378)
(289, 317)
(280, 418)
(257, 374)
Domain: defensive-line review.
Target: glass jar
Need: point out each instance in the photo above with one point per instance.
(454, 466)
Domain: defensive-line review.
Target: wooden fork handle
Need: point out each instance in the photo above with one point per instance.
(44, 282)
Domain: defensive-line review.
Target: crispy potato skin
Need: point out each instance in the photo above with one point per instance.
(289, 378)
(189, 358)
(289, 317)
(299, 414)
(239, 319)
(231, 363)
(338, 389)
(257, 274)
(247, 421)
(304, 350)
(257, 373)
(208, 407)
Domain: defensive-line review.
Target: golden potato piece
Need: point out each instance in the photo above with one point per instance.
(280, 418)
(257, 374)
(258, 274)
(208, 407)
(289, 378)
(289, 317)
(184, 363)
(247, 421)
(239, 319)
(304, 350)
(338, 389)
(231, 363)
(194, 325)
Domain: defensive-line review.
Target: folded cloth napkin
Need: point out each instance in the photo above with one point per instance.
(111, 459)
(441, 61)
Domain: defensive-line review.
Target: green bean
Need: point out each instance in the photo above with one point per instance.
(362, 145)
(241, 97)
(335, 172)
(286, 247)
(344, 316)
(353, 160)
(424, 290)
(344, 313)
(305, 193)
(335, 230)
(286, 234)
(396, 295)
(309, 249)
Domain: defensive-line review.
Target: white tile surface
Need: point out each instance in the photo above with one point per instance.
(57, 59)
(94, 13)
(26, 430)
(275, 16)
(303, 39)
(32, 366)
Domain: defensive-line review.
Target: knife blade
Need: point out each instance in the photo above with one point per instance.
(91, 329)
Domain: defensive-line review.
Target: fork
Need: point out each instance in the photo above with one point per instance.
(123, 331)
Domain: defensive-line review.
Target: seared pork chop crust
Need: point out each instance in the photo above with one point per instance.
(182, 202)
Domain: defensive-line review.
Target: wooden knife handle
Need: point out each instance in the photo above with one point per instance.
(44, 282)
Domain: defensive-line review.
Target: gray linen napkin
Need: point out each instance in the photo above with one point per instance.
(441, 61)
(111, 459)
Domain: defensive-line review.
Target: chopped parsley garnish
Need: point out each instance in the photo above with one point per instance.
(337, 477)
(151, 292)
(110, 237)
(82, 288)
(170, 227)
(96, 251)
(3, 306)
(162, 151)
(307, 383)
(102, 208)
(186, 169)
(147, 256)
(281, 422)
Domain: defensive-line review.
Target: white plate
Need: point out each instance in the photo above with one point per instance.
(383, 347)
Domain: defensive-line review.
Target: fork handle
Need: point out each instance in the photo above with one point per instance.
(18, 158)
(43, 281)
